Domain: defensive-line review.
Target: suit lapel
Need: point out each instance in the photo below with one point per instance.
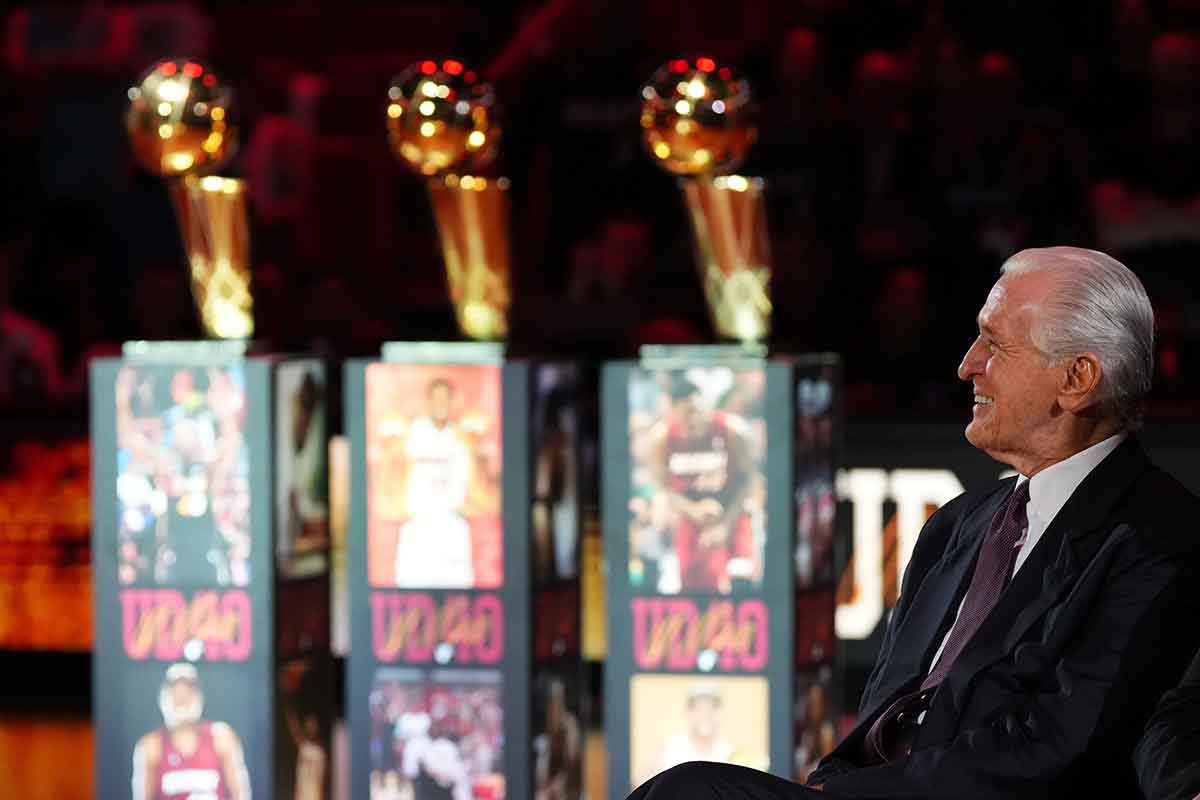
(934, 606)
(1064, 550)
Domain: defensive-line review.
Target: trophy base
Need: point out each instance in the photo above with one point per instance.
(443, 352)
(198, 351)
(664, 356)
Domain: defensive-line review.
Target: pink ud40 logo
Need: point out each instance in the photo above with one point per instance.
(413, 628)
(675, 633)
(163, 624)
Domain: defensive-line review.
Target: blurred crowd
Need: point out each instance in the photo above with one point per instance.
(909, 146)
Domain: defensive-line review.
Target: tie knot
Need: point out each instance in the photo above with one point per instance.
(1020, 495)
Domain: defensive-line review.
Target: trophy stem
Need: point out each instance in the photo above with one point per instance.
(472, 219)
(216, 237)
(733, 253)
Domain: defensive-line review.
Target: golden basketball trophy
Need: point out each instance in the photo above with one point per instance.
(179, 128)
(697, 124)
(441, 124)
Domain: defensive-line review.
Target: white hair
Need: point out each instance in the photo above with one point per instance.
(1098, 306)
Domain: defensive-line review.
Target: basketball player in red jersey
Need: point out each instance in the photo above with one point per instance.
(701, 458)
(189, 758)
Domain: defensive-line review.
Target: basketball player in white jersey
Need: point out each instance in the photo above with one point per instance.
(434, 545)
(702, 741)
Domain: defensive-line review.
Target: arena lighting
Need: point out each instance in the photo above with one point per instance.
(453, 67)
(705, 64)
(428, 67)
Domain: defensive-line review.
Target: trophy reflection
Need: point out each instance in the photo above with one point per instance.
(696, 123)
(178, 128)
(441, 124)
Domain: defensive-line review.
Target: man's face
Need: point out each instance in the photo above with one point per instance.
(183, 693)
(691, 415)
(181, 703)
(702, 716)
(554, 710)
(1015, 410)
(439, 403)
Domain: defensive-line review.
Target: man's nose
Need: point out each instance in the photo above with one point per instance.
(970, 366)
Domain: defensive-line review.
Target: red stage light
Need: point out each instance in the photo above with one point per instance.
(428, 67)
(452, 67)
(210, 79)
(679, 65)
(725, 73)
(167, 68)
(705, 64)
(193, 70)
(470, 76)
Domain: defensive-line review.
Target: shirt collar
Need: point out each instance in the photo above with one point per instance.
(1050, 489)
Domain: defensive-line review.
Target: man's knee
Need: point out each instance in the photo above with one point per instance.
(690, 779)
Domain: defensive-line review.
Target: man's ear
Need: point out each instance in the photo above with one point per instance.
(1080, 382)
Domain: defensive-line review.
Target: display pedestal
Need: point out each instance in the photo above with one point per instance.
(463, 670)
(718, 481)
(210, 539)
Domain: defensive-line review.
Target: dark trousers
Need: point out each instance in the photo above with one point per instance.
(707, 780)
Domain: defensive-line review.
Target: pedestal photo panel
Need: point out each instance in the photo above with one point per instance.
(702, 455)
(463, 554)
(189, 690)
(557, 431)
(819, 663)
(304, 672)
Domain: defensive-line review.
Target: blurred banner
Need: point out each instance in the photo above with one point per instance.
(45, 557)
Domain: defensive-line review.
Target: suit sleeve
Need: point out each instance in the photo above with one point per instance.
(931, 543)
(1168, 757)
(1093, 697)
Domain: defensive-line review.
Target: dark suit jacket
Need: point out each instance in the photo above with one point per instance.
(1051, 695)
(1168, 757)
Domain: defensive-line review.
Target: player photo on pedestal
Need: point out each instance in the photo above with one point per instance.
(183, 492)
(433, 476)
(436, 735)
(678, 718)
(698, 483)
(302, 474)
(555, 513)
(192, 751)
(558, 735)
(816, 728)
(816, 501)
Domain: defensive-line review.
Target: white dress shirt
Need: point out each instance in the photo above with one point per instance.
(1049, 491)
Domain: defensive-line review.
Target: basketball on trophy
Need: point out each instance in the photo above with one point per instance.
(441, 118)
(697, 117)
(178, 119)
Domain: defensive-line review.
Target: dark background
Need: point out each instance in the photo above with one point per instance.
(909, 148)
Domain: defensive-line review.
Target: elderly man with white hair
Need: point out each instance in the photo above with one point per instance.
(1041, 618)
